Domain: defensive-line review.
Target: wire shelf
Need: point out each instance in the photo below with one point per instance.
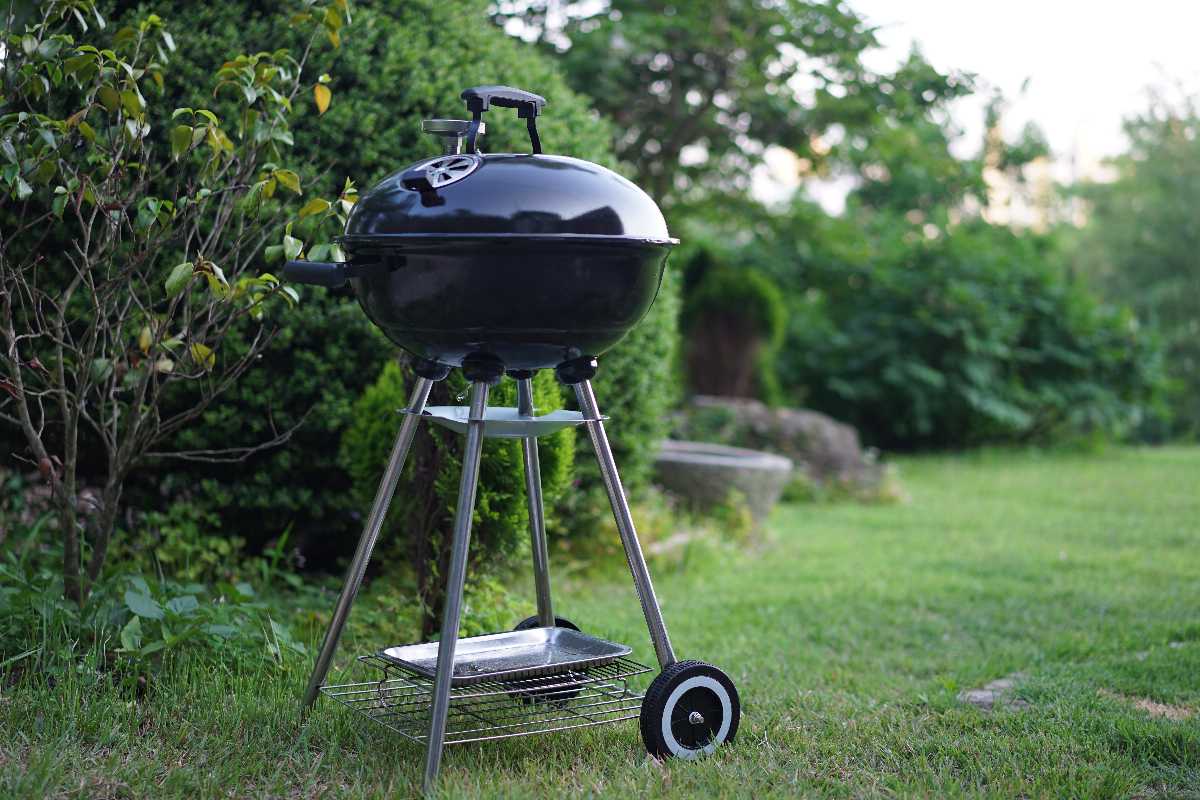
(400, 701)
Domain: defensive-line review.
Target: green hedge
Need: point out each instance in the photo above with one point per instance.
(976, 334)
(399, 63)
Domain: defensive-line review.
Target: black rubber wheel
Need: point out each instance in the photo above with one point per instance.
(529, 623)
(690, 709)
(555, 690)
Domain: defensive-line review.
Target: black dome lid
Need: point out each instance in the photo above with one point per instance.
(507, 195)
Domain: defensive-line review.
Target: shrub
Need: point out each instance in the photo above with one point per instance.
(399, 63)
(971, 336)
(127, 255)
(733, 318)
(422, 514)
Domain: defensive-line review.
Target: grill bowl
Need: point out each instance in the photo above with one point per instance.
(533, 302)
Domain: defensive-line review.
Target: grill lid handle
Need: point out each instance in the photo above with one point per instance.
(480, 98)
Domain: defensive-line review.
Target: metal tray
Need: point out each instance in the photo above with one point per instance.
(501, 422)
(507, 656)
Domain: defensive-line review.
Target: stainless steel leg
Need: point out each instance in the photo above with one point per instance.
(537, 516)
(440, 707)
(620, 507)
(366, 543)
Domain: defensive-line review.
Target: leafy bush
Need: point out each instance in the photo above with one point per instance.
(422, 514)
(399, 63)
(132, 622)
(970, 335)
(181, 543)
(127, 261)
(733, 318)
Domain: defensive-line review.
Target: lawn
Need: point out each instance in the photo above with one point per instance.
(850, 632)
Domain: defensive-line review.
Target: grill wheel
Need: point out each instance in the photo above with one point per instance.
(690, 709)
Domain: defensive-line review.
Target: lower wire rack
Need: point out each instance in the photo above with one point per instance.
(498, 709)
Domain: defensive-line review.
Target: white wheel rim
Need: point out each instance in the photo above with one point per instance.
(703, 681)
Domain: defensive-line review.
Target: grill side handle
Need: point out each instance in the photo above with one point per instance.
(331, 275)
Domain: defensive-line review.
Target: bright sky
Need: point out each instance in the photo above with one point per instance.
(1088, 63)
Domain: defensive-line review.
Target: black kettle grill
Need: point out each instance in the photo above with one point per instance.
(527, 259)
(510, 263)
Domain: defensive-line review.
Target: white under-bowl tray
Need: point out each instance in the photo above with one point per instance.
(500, 422)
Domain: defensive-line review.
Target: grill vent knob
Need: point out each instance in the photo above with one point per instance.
(450, 132)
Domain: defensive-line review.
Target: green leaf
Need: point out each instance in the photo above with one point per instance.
(109, 97)
(29, 44)
(10, 152)
(179, 277)
(153, 647)
(224, 631)
(273, 253)
(292, 246)
(314, 206)
(203, 355)
(101, 369)
(23, 189)
(133, 102)
(183, 605)
(143, 605)
(289, 180)
(244, 589)
(131, 634)
(181, 140)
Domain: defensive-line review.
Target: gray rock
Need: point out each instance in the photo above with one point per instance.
(704, 475)
(826, 451)
(997, 694)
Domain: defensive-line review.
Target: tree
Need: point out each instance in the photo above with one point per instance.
(130, 242)
(1141, 244)
(699, 90)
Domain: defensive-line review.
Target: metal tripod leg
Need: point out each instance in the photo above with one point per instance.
(537, 516)
(440, 706)
(620, 507)
(366, 543)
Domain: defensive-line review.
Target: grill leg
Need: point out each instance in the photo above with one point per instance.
(366, 543)
(537, 517)
(440, 707)
(620, 506)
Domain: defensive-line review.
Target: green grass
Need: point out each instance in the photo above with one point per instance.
(849, 632)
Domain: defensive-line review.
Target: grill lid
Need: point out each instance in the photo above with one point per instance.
(471, 195)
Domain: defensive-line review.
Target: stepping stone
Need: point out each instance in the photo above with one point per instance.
(996, 695)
